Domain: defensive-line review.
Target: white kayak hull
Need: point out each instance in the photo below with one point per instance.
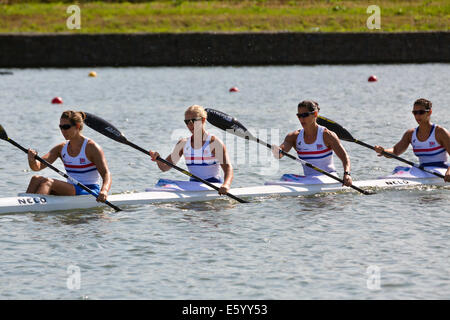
(39, 203)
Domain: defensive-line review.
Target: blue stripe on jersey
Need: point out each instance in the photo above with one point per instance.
(324, 156)
(435, 164)
(73, 171)
(200, 164)
(212, 180)
(429, 154)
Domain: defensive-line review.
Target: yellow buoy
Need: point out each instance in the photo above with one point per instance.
(92, 74)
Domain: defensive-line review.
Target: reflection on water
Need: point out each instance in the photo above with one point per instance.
(207, 206)
(325, 201)
(433, 199)
(74, 217)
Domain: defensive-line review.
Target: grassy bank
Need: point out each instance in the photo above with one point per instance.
(224, 16)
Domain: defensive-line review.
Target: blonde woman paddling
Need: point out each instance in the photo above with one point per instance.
(83, 160)
(204, 153)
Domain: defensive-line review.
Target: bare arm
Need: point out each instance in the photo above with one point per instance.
(50, 157)
(286, 146)
(173, 158)
(221, 154)
(443, 138)
(96, 155)
(332, 141)
(400, 147)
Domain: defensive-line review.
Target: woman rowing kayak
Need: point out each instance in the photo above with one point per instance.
(83, 160)
(315, 144)
(430, 142)
(204, 153)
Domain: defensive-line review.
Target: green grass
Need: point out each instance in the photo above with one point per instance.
(224, 16)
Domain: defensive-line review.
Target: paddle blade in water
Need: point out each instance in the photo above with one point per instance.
(3, 134)
(341, 132)
(228, 123)
(104, 127)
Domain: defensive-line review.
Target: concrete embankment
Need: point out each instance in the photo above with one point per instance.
(205, 49)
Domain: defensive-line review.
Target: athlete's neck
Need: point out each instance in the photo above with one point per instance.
(198, 138)
(76, 140)
(425, 126)
(311, 129)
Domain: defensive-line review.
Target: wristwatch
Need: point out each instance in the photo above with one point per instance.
(347, 173)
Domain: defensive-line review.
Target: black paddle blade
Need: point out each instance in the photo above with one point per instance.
(341, 132)
(104, 127)
(228, 123)
(3, 134)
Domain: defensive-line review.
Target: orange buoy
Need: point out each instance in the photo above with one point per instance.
(57, 100)
(234, 89)
(92, 74)
(373, 78)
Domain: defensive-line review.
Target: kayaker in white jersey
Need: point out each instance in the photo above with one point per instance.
(205, 154)
(315, 144)
(430, 142)
(83, 160)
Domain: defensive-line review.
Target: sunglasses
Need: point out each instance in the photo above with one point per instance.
(416, 112)
(65, 126)
(188, 121)
(305, 115)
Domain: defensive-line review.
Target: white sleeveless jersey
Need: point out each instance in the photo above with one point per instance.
(317, 153)
(79, 167)
(428, 151)
(201, 162)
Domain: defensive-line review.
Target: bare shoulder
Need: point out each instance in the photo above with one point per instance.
(292, 136)
(442, 133)
(93, 148)
(92, 144)
(408, 134)
(181, 142)
(330, 138)
(215, 139)
(58, 148)
(329, 134)
(179, 147)
(441, 130)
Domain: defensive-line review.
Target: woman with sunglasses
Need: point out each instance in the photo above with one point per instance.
(314, 144)
(83, 160)
(430, 142)
(204, 153)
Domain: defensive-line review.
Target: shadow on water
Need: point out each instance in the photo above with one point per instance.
(206, 213)
(74, 217)
(201, 206)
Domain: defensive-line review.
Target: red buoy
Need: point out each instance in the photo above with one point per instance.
(57, 100)
(234, 89)
(373, 78)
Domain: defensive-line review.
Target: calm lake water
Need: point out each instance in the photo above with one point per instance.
(392, 245)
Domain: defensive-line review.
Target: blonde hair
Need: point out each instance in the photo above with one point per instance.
(197, 110)
(75, 117)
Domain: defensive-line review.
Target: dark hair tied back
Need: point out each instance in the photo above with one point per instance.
(423, 103)
(310, 105)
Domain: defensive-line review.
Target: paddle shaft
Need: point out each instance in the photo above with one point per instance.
(391, 155)
(184, 171)
(310, 165)
(63, 174)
